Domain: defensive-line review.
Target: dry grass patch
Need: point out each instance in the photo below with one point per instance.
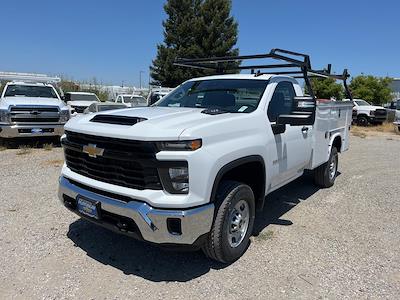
(48, 147)
(54, 162)
(266, 235)
(360, 134)
(385, 128)
(23, 150)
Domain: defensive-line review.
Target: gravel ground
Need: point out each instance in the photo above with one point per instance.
(337, 243)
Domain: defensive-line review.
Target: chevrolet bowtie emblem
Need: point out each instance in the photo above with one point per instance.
(93, 151)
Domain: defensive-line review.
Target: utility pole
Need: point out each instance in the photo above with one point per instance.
(140, 78)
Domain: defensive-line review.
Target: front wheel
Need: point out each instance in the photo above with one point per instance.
(230, 234)
(325, 175)
(362, 121)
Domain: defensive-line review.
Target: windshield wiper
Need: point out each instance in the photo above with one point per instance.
(214, 111)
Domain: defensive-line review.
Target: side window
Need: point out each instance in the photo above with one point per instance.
(118, 99)
(282, 100)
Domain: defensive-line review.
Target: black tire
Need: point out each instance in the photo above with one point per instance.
(218, 247)
(362, 121)
(323, 175)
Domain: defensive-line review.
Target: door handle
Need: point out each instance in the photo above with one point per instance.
(304, 129)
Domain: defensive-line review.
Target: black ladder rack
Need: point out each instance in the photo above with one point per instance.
(301, 62)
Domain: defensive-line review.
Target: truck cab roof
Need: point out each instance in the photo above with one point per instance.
(28, 83)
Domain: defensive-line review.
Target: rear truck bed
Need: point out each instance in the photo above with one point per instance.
(333, 121)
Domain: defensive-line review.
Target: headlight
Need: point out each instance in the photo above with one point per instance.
(64, 116)
(179, 179)
(372, 113)
(4, 116)
(175, 177)
(180, 145)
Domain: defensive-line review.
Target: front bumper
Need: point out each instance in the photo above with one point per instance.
(143, 221)
(15, 130)
(381, 118)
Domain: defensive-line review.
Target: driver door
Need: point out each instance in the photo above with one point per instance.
(292, 151)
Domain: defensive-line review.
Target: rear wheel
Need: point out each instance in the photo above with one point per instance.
(325, 175)
(230, 234)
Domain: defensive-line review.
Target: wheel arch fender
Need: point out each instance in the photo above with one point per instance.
(362, 114)
(335, 141)
(236, 164)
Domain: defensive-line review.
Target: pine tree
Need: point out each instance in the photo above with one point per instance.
(218, 31)
(193, 29)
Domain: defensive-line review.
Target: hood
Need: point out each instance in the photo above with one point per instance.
(80, 103)
(136, 105)
(7, 101)
(369, 107)
(378, 107)
(162, 123)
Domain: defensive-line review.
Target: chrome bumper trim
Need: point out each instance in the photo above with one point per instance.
(11, 131)
(152, 222)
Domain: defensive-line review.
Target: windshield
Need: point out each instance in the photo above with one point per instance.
(135, 99)
(30, 91)
(80, 97)
(362, 103)
(231, 95)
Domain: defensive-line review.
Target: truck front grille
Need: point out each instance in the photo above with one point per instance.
(34, 114)
(79, 109)
(121, 162)
(380, 112)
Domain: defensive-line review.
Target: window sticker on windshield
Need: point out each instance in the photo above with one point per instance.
(243, 108)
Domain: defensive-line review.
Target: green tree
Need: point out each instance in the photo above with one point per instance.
(93, 87)
(68, 86)
(327, 88)
(193, 29)
(370, 88)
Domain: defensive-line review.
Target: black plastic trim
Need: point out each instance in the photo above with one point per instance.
(165, 178)
(236, 163)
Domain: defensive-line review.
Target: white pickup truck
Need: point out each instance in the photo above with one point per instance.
(79, 101)
(194, 168)
(364, 113)
(31, 108)
(130, 100)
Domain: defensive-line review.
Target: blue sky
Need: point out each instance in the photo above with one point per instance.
(114, 40)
